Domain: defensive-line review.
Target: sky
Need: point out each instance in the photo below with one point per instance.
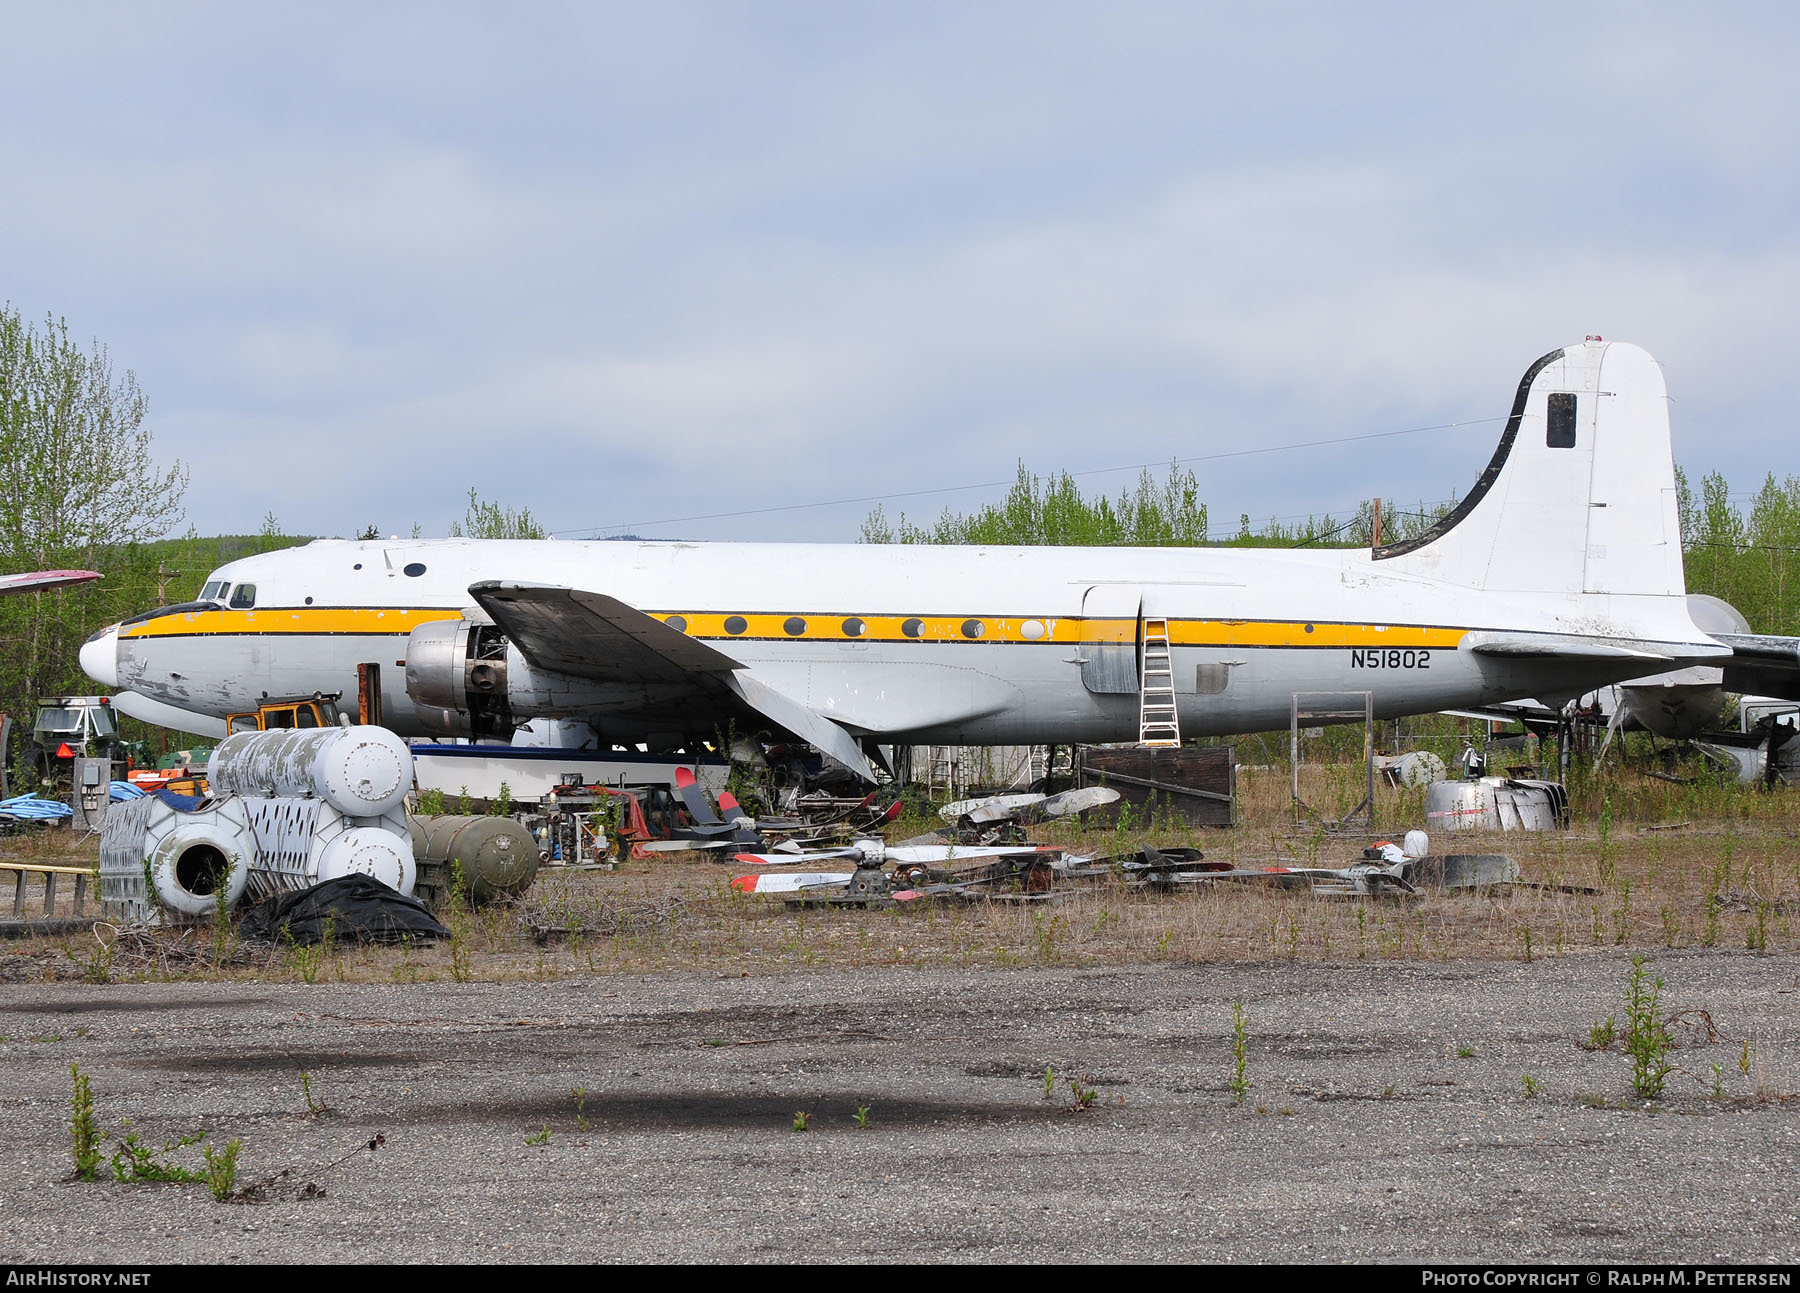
(687, 270)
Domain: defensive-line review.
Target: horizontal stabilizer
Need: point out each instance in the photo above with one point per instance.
(1557, 649)
(1762, 649)
(1762, 664)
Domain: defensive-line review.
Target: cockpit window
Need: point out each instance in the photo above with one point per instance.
(243, 597)
(213, 590)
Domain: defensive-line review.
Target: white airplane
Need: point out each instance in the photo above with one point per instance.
(1559, 572)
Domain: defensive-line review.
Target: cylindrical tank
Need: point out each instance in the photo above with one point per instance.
(370, 851)
(497, 856)
(188, 865)
(360, 771)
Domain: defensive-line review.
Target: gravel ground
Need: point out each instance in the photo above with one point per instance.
(1388, 1117)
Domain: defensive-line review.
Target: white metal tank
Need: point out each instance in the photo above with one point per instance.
(360, 771)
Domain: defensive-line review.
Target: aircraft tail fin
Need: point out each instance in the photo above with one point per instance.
(1580, 495)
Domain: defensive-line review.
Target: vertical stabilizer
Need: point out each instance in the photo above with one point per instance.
(1580, 494)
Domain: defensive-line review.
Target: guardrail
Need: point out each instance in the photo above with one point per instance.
(24, 870)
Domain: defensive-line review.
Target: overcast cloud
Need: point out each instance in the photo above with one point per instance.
(634, 263)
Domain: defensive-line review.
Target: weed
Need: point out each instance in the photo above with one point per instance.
(580, 1094)
(1240, 1075)
(224, 938)
(1756, 938)
(463, 808)
(502, 803)
(82, 1129)
(540, 1137)
(314, 1105)
(861, 1116)
(97, 965)
(136, 1161)
(1744, 1058)
(1718, 1085)
(1050, 1082)
(1084, 1095)
(1533, 1087)
(458, 918)
(1647, 1037)
(1525, 938)
(431, 803)
(221, 1168)
(304, 957)
(1602, 1035)
(1593, 1100)
(1465, 1052)
(802, 1120)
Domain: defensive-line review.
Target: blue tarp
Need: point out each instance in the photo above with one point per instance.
(31, 808)
(124, 790)
(180, 803)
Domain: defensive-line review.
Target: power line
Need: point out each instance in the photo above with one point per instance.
(997, 484)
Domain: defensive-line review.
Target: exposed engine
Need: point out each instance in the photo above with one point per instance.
(456, 676)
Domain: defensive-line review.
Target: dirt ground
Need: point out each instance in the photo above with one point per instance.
(619, 1067)
(1392, 1111)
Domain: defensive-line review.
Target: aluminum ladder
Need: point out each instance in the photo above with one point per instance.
(1157, 720)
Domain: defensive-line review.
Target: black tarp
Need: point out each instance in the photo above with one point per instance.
(360, 909)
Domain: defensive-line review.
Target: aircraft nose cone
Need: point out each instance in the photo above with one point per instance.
(100, 656)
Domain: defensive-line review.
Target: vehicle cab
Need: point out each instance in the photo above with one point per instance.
(317, 710)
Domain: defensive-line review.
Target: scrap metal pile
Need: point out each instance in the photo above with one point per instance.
(982, 856)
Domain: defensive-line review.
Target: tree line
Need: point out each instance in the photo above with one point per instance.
(1744, 549)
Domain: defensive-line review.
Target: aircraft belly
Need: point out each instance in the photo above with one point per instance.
(207, 675)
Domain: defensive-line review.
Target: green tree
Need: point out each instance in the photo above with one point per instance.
(79, 486)
(485, 520)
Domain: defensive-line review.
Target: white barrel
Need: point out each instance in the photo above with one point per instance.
(370, 851)
(191, 861)
(360, 771)
(1418, 844)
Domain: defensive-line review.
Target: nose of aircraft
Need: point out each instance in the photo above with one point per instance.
(100, 656)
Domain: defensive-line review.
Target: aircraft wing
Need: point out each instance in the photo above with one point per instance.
(39, 579)
(601, 639)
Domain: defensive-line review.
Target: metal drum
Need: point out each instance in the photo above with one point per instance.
(497, 856)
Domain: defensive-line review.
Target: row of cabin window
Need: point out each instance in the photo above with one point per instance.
(795, 625)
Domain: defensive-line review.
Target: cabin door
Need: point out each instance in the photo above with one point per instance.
(1111, 630)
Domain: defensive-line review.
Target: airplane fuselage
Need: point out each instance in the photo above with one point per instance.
(906, 643)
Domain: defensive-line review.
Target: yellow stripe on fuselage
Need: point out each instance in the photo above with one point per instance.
(773, 626)
(397, 620)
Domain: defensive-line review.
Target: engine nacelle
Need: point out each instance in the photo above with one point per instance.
(456, 678)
